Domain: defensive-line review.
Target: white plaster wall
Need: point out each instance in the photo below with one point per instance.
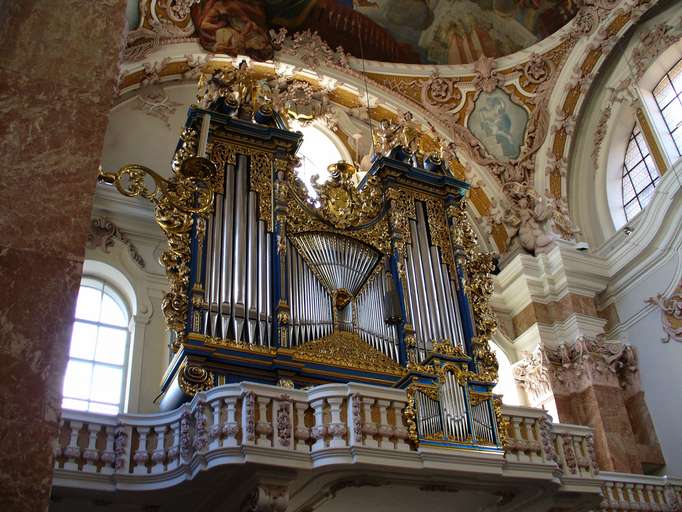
(657, 269)
(660, 363)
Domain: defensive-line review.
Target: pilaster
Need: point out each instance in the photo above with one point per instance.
(568, 367)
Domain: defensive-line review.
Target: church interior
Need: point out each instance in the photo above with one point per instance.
(332, 255)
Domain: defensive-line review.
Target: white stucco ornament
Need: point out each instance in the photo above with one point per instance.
(671, 313)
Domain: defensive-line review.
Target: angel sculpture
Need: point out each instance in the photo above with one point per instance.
(385, 137)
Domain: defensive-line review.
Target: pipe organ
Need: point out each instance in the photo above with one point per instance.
(378, 281)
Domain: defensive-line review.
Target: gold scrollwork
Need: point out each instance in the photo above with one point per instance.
(179, 201)
(348, 350)
(301, 219)
(193, 378)
(341, 202)
(502, 422)
(445, 347)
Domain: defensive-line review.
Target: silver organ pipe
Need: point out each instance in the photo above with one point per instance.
(239, 249)
(428, 279)
(453, 407)
(482, 422)
(431, 296)
(371, 322)
(428, 415)
(238, 290)
(311, 306)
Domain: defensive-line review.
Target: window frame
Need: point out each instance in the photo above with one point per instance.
(627, 172)
(105, 287)
(677, 97)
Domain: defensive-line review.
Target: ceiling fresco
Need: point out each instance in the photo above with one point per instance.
(406, 31)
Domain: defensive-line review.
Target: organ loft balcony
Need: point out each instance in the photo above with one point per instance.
(329, 344)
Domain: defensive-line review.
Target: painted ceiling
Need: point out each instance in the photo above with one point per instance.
(407, 31)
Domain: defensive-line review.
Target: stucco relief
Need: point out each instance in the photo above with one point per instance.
(671, 313)
(589, 361)
(103, 234)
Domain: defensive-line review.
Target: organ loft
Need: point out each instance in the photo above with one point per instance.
(375, 279)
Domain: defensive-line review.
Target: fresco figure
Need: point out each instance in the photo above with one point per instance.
(499, 123)
(233, 27)
(409, 31)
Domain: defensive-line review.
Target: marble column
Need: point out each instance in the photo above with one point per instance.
(58, 73)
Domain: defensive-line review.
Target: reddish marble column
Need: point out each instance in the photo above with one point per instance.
(596, 383)
(59, 66)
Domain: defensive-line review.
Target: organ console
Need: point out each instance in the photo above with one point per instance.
(379, 280)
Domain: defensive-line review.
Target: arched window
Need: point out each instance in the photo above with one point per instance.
(98, 356)
(640, 174)
(318, 150)
(668, 96)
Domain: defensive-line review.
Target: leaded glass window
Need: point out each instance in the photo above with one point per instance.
(668, 95)
(640, 174)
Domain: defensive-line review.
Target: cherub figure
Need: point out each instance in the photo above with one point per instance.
(385, 137)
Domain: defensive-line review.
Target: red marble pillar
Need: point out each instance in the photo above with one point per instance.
(596, 383)
(58, 72)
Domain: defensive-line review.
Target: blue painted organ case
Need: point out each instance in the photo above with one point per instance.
(377, 280)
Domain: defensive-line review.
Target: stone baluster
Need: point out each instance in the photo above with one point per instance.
(174, 449)
(532, 446)
(216, 430)
(672, 494)
(399, 431)
(638, 491)
(559, 449)
(231, 427)
(660, 498)
(517, 443)
(201, 434)
(123, 437)
(108, 457)
(141, 455)
(369, 427)
(629, 494)
(301, 432)
(282, 424)
(72, 452)
(91, 454)
(159, 453)
(354, 420)
(608, 499)
(621, 497)
(319, 430)
(649, 498)
(263, 427)
(337, 428)
(385, 430)
(249, 419)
